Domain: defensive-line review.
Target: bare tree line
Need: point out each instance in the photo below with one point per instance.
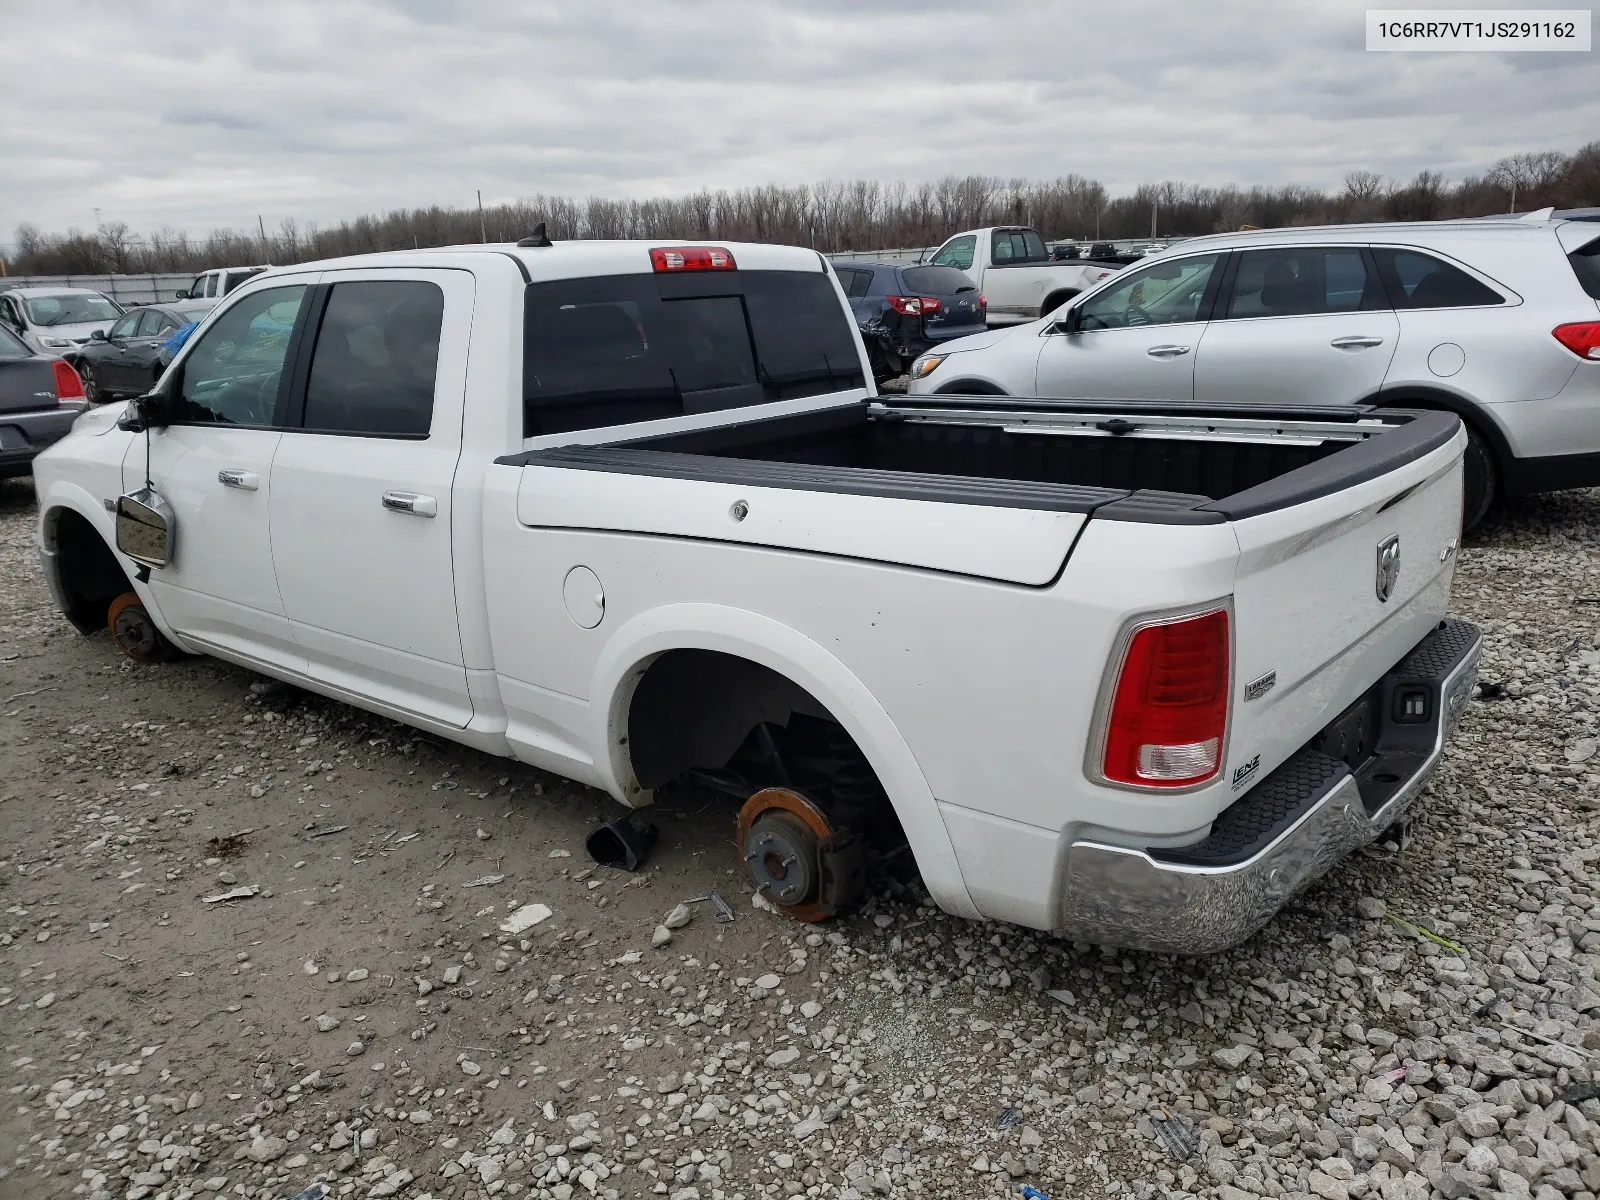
(857, 214)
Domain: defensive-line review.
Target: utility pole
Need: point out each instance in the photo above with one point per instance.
(1155, 206)
(262, 226)
(483, 231)
(1513, 195)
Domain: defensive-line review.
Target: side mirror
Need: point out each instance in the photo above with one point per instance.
(146, 528)
(1071, 322)
(97, 335)
(149, 411)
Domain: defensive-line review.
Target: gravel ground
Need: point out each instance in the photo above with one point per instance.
(1420, 1024)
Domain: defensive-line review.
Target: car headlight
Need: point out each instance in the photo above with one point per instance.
(56, 343)
(926, 365)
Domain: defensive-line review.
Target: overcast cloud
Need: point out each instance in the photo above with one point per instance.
(204, 115)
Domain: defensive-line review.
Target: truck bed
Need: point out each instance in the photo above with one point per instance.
(1172, 463)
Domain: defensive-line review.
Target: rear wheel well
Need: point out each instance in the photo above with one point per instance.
(1489, 458)
(1056, 299)
(89, 573)
(695, 709)
(739, 727)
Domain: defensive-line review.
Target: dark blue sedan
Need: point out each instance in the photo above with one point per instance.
(904, 310)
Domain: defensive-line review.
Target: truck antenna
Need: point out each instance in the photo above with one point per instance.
(537, 238)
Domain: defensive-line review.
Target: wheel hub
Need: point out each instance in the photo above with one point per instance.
(135, 633)
(780, 852)
(796, 858)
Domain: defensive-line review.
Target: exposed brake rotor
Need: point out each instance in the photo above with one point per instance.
(795, 857)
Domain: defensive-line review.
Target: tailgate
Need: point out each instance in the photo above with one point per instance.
(1332, 592)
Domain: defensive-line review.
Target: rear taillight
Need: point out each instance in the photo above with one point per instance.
(1582, 338)
(1168, 719)
(983, 301)
(68, 385)
(692, 258)
(914, 306)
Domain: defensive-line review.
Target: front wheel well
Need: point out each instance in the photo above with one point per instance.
(89, 574)
(969, 387)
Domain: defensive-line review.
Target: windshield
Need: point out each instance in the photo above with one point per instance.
(70, 308)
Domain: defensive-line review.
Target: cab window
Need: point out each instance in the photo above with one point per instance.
(957, 253)
(376, 359)
(232, 375)
(1164, 293)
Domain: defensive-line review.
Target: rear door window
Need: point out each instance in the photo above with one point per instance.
(936, 281)
(1017, 246)
(1418, 280)
(1300, 281)
(150, 323)
(1585, 262)
(855, 280)
(376, 359)
(610, 350)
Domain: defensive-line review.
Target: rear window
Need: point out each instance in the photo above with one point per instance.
(1585, 262)
(1013, 246)
(619, 348)
(936, 281)
(1417, 280)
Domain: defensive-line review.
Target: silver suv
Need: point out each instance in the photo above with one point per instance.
(1496, 320)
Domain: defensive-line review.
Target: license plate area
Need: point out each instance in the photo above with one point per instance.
(1387, 735)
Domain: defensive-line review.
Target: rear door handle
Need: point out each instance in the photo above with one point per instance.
(1166, 351)
(245, 481)
(1355, 342)
(414, 503)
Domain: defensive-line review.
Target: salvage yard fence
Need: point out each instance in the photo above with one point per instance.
(130, 290)
(126, 290)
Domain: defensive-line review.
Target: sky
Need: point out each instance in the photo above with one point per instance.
(205, 115)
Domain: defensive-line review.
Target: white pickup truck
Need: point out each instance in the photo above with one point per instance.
(1013, 269)
(633, 514)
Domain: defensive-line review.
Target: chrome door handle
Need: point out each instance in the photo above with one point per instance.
(1166, 351)
(245, 481)
(414, 503)
(1355, 342)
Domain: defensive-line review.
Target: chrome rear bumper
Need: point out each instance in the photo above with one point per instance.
(1282, 834)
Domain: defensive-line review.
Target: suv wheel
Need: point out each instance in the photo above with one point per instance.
(1478, 490)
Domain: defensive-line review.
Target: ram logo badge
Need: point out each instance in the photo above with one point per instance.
(1258, 688)
(1243, 774)
(1388, 566)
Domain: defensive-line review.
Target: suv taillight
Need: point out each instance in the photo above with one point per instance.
(1582, 338)
(1168, 719)
(692, 258)
(914, 306)
(68, 385)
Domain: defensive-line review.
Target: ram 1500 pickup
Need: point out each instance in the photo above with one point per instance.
(1013, 269)
(633, 514)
